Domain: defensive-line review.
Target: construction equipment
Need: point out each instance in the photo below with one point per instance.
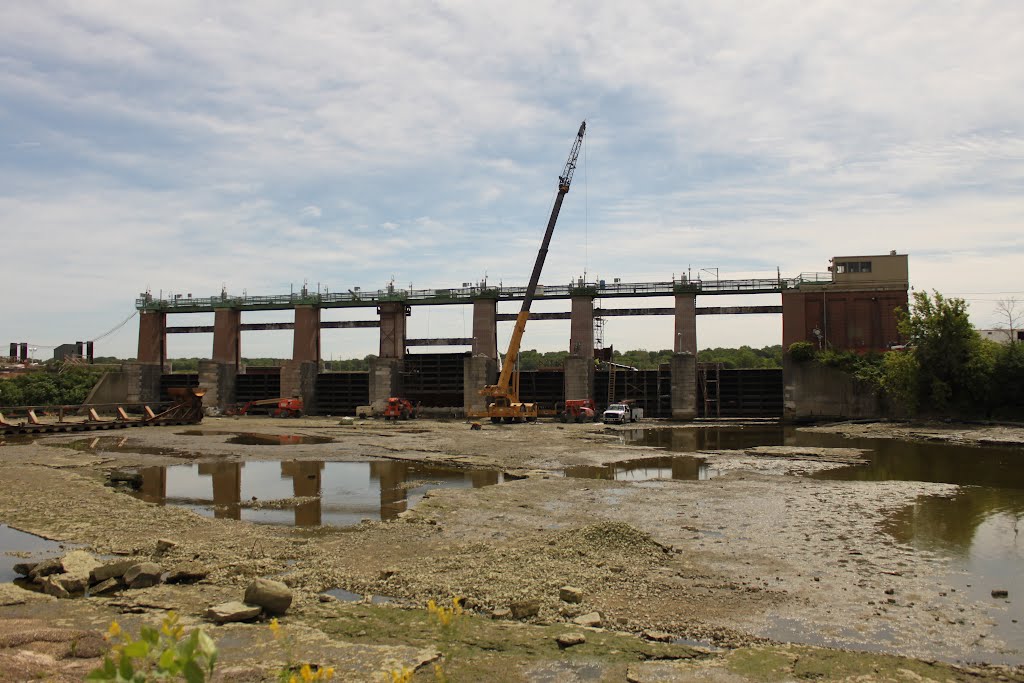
(400, 409)
(280, 407)
(578, 410)
(622, 413)
(187, 408)
(504, 404)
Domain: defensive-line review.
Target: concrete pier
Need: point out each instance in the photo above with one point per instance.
(306, 342)
(485, 328)
(579, 366)
(392, 330)
(152, 337)
(684, 362)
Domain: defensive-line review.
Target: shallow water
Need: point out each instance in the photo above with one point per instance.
(977, 530)
(311, 492)
(18, 546)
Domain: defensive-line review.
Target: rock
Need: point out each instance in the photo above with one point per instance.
(347, 421)
(143, 575)
(324, 597)
(569, 639)
(657, 636)
(570, 594)
(273, 596)
(591, 620)
(232, 611)
(24, 568)
(522, 609)
(52, 587)
(162, 546)
(190, 572)
(70, 582)
(501, 613)
(386, 574)
(111, 570)
(45, 568)
(104, 587)
(79, 563)
(1000, 593)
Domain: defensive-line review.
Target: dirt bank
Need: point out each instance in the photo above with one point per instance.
(739, 562)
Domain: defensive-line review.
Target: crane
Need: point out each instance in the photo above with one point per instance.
(505, 404)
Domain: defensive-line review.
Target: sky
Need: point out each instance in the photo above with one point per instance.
(187, 147)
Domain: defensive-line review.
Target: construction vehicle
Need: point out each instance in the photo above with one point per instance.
(578, 410)
(363, 412)
(279, 407)
(399, 409)
(622, 413)
(503, 398)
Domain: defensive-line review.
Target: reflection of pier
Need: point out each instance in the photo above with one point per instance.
(227, 488)
(306, 478)
(391, 475)
(396, 483)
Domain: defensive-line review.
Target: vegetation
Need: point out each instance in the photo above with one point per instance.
(946, 367)
(53, 385)
(157, 654)
(743, 357)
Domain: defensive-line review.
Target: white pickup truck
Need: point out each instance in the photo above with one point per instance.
(622, 413)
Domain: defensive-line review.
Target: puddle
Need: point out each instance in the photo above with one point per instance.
(112, 443)
(18, 546)
(349, 596)
(680, 467)
(978, 529)
(277, 439)
(302, 493)
(259, 439)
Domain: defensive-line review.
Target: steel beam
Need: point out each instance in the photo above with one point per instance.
(442, 341)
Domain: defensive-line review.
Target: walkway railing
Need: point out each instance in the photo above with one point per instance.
(464, 295)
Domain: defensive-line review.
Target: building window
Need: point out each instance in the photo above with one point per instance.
(854, 267)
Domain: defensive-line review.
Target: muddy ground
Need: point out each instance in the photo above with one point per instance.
(732, 568)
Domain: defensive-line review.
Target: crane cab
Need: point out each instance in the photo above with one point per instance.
(504, 410)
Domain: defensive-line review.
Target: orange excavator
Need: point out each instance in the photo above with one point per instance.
(504, 404)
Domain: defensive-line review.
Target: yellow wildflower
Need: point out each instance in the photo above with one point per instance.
(114, 631)
(275, 628)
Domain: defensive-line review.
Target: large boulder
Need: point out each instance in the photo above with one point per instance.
(189, 572)
(523, 609)
(45, 568)
(273, 596)
(111, 570)
(143, 575)
(233, 611)
(79, 564)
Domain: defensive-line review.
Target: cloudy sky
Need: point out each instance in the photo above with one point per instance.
(181, 147)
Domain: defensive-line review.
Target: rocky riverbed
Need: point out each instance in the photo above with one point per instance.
(760, 571)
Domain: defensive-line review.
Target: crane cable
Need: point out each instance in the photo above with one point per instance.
(586, 214)
(116, 327)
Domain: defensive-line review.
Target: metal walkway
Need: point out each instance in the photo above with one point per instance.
(356, 298)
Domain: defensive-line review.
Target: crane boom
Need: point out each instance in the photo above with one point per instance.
(502, 388)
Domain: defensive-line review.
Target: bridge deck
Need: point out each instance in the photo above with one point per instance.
(465, 295)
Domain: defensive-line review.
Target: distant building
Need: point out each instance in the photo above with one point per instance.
(855, 309)
(1001, 336)
(66, 351)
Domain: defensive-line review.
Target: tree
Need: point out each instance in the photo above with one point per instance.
(954, 365)
(1010, 312)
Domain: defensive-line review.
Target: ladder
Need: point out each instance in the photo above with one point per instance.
(708, 377)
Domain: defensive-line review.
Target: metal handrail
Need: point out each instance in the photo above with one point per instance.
(468, 294)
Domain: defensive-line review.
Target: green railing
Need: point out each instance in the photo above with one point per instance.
(464, 295)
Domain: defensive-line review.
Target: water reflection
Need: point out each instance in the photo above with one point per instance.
(680, 467)
(338, 493)
(18, 546)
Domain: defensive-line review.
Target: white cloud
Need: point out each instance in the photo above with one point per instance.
(183, 145)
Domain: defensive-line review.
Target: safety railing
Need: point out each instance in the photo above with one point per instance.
(355, 298)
